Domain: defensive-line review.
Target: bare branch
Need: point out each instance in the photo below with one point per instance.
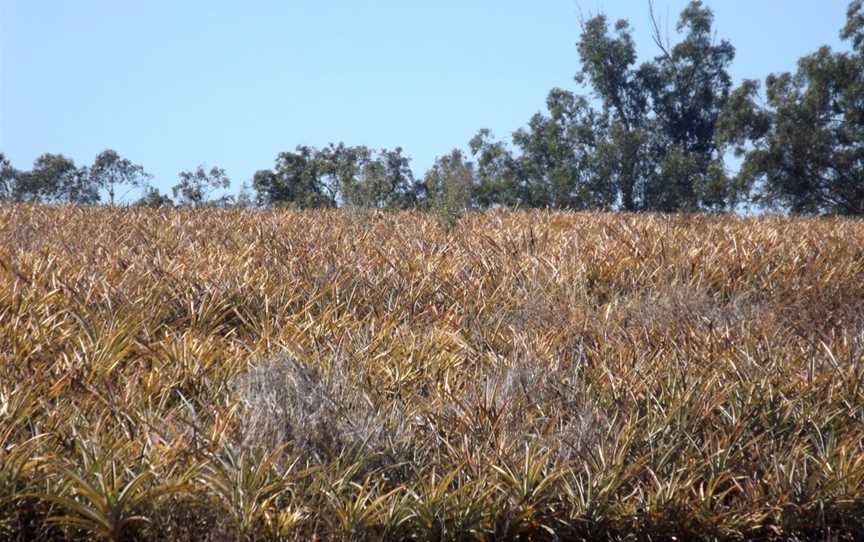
(657, 35)
(581, 15)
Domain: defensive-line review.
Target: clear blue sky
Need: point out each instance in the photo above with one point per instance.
(172, 84)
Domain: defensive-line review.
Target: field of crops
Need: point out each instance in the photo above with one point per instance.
(250, 375)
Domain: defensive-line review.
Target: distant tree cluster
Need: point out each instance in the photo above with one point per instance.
(339, 175)
(55, 178)
(651, 136)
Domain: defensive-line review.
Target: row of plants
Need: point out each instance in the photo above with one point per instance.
(515, 375)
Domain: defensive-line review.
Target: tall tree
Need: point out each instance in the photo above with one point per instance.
(558, 156)
(400, 189)
(689, 86)
(608, 65)
(661, 148)
(380, 179)
(296, 180)
(804, 151)
(499, 179)
(450, 183)
(367, 178)
(8, 177)
(111, 171)
(195, 187)
(339, 174)
(268, 190)
(341, 169)
(55, 178)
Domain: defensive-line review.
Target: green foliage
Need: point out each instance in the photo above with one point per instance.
(194, 187)
(8, 177)
(499, 180)
(297, 181)
(54, 178)
(854, 29)
(367, 180)
(558, 156)
(355, 177)
(652, 144)
(608, 66)
(449, 186)
(393, 180)
(655, 138)
(804, 150)
(154, 199)
(660, 150)
(111, 171)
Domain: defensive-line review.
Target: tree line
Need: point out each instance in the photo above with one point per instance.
(651, 136)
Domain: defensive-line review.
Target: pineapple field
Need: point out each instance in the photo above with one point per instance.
(227, 374)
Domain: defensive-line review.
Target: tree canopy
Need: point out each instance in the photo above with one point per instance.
(111, 171)
(652, 135)
(804, 149)
(194, 187)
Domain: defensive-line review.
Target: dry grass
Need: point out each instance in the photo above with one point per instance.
(224, 375)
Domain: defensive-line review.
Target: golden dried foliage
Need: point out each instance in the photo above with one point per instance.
(273, 375)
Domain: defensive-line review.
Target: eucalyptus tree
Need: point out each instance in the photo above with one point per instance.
(8, 178)
(56, 179)
(804, 149)
(499, 179)
(558, 156)
(194, 187)
(110, 172)
(661, 148)
(450, 184)
(296, 180)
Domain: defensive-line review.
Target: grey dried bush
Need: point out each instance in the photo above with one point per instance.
(679, 307)
(569, 423)
(530, 404)
(360, 214)
(319, 414)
